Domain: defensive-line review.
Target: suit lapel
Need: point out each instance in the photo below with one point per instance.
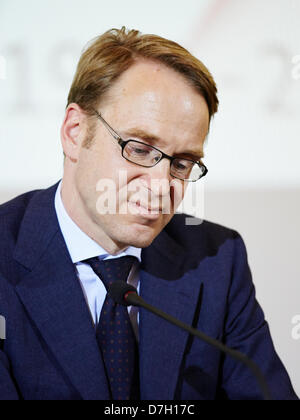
(53, 298)
(166, 282)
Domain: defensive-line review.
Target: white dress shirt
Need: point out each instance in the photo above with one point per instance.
(81, 247)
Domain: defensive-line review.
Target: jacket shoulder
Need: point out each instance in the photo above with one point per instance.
(12, 213)
(195, 234)
(11, 216)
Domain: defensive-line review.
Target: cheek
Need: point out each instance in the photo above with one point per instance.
(105, 180)
(99, 162)
(87, 172)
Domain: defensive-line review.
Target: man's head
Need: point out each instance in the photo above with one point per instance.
(148, 89)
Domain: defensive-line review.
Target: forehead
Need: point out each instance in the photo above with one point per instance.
(158, 100)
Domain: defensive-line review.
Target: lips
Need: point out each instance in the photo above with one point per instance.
(145, 212)
(146, 208)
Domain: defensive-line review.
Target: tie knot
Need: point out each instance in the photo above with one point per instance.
(115, 269)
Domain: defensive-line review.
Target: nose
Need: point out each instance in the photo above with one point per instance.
(161, 170)
(158, 176)
(157, 181)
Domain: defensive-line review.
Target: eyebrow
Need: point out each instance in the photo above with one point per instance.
(149, 138)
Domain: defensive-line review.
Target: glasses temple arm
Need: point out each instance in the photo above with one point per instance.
(112, 132)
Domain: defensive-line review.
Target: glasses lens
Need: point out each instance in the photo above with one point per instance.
(145, 155)
(187, 170)
(141, 153)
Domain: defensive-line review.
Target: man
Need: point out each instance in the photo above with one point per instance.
(138, 114)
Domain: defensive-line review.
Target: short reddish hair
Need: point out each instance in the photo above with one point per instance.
(112, 53)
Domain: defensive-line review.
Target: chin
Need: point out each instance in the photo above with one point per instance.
(141, 240)
(139, 236)
(139, 243)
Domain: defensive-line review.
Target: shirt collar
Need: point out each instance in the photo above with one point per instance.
(79, 244)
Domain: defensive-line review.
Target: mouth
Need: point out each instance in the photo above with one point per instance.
(147, 212)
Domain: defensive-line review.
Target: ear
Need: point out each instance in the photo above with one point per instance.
(73, 131)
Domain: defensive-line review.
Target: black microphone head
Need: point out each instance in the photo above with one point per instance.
(118, 290)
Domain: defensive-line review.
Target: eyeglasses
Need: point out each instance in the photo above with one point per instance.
(143, 154)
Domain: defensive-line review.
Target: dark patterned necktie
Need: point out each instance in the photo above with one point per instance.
(115, 334)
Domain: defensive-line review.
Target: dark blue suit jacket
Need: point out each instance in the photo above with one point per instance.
(198, 274)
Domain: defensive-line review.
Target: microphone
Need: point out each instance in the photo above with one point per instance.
(127, 295)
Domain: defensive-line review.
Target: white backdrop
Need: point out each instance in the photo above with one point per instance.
(252, 48)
